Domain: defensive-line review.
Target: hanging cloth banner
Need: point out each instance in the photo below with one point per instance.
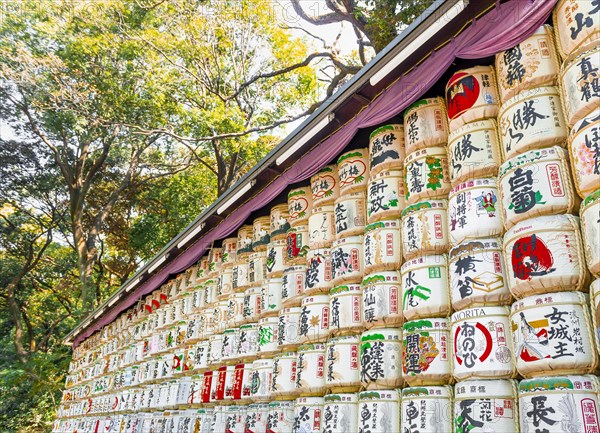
(505, 26)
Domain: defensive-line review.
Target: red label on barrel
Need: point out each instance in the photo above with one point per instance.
(393, 299)
(389, 244)
(220, 389)
(206, 385)
(238, 379)
(320, 364)
(354, 357)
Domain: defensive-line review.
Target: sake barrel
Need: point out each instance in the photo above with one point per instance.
(202, 272)
(215, 257)
(340, 413)
(268, 329)
(219, 318)
(353, 170)
(595, 304)
(482, 344)
(472, 210)
(584, 150)
(425, 124)
(382, 246)
(553, 335)
(215, 350)
(477, 274)
(379, 411)
(321, 227)
(474, 151)
(533, 119)
(386, 148)
(318, 272)
(426, 175)
(235, 419)
(288, 330)
(310, 370)
(427, 409)
(382, 304)
(559, 404)
(244, 241)
(350, 213)
(229, 252)
(532, 63)
(283, 378)
(314, 318)
(536, 183)
(281, 417)
(292, 285)
(256, 418)
(580, 87)
(385, 195)
(275, 258)
(308, 414)
(342, 364)
(347, 260)
(262, 371)
(299, 205)
(235, 309)
(242, 378)
(425, 291)
(590, 214)
(261, 233)
(229, 351)
(279, 221)
(426, 352)
(248, 342)
(381, 358)
(545, 254)
(576, 25)
(200, 355)
(224, 283)
(425, 228)
(240, 280)
(257, 268)
(345, 305)
(272, 298)
(486, 405)
(297, 245)
(212, 290)
(325, 185)
(471, 94)
(252, 304)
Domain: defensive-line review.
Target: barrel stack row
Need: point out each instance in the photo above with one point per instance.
(436, 281)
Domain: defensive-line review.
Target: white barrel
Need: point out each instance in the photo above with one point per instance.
(595, 304)
(425, 228)
(321, 226)
(386, 148)
(215, 257)
(219, 318)
(379, 411)
(212, 289)
(288, 331)
(427, 175)
(345, 305)
(347, 260)
(275, 258)
(292, 285)
(580, 83)
(426, 352)
(236, 419)
(350, 213)
(382, 302)
(308, 414)
(281, 417)
(244, 241)
(584, 151)
(590, 214)
(248, 342)
(425, 124)
(545, 254)
(425, 291)
(231, 339)
(482, 344)
(533, 119)
(283, 378)
(472, 94)
(224, 390)
(474, 151)
(536, 183)
(240, 278)
(381, 358)
(576, 25)
(319, 278)
(256, 418)
(314, 319)
(201, 355)
(477, 275)
(553, 335)
(272, 297)
(325, 185)
(382, 246)
(340, 413)
(559, 404)
(353, 170)
(235, 309)
(299, 205)
(297, 245)
(262, 372)
(310, 370)
(473, 210)
(342, 363)
(252, 307)
(257, 268)
(385, 195)
(279, 221)
(203, 264)
(215, 350)
(427, 409)
(268, 329)
(224, 283)
(486, 405)
(229, 252)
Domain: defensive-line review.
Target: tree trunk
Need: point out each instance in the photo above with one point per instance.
(15, 313)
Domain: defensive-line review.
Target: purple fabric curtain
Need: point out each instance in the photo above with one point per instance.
(503, 27)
